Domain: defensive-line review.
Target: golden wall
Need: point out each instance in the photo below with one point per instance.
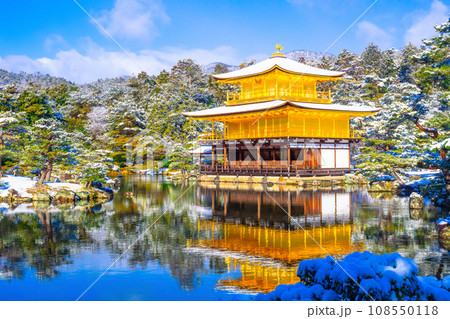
(292, 125)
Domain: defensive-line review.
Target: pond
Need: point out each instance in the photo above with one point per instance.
(188, 241)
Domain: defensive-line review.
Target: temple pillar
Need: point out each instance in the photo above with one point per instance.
(225, 159)
(232, 156)
(289, 157)
(258, 155)
(284, 150)
(213, 157)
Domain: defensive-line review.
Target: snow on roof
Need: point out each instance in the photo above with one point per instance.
(255, 107)
(281, 62)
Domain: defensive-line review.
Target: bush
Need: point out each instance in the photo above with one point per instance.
(361, 276)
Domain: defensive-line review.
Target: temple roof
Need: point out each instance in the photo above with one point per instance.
(280, 62)
(264, 106)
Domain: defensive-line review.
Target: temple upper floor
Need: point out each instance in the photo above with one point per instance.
(279, 78)
(279, 85)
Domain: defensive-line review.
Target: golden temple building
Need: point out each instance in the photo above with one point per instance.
(281, 122)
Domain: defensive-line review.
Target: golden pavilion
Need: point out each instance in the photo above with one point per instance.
(282, 122)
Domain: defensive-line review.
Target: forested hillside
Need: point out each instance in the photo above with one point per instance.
(53, 124)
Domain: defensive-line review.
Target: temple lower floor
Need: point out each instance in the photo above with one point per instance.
(277, 157)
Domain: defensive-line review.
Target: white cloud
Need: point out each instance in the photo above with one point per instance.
(97, 63)
(370, 32)
(134, 19)
(423, 27)
(54, 41)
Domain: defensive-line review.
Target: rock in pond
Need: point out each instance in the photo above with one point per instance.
(65, 196)
(41, 197)
(415, 201)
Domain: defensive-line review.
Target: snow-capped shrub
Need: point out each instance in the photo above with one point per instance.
(361, 276)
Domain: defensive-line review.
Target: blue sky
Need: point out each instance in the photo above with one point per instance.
(58, 38)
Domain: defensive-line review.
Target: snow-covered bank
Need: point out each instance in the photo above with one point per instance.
(23, 189)
(26, 187)
(361, 276)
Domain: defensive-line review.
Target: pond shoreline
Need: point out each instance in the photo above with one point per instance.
(20, 189)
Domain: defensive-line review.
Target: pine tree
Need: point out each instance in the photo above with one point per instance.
(220, 68)
(372, 58)
(407, 67)
(9, 129)
(435, 73)
(49, 144)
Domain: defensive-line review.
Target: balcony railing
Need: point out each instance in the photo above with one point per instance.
(275, 170)
(356, 133)
(210, 136)
(269, 95)
(351, 134)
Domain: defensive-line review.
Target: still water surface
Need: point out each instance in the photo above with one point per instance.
(201, 242)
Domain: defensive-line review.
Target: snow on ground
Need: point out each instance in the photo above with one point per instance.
(23, 184)
(426, 173)
(57, 186)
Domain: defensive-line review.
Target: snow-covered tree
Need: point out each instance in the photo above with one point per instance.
(435, 58)
(97, 122)
(48, 143)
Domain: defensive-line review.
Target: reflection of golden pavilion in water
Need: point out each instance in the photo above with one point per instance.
(240, 223)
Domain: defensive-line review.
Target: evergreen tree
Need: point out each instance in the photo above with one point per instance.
(48, 143)
(220, 68)
(372, 58)
(407, 67)
(435, 73)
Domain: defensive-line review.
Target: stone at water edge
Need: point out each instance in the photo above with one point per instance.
(415, 201)
(41, 197)
(444, 237)
(65, 196)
